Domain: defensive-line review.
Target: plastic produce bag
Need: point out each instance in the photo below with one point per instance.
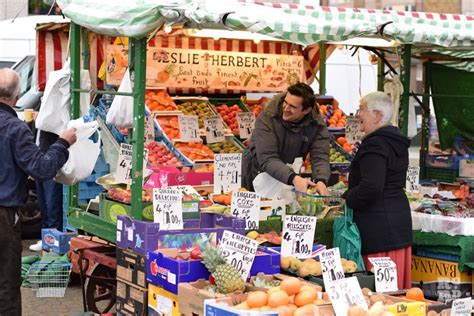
(267, 186)
(83, 154)
(347, 238)
(54, 112)
(120, 113)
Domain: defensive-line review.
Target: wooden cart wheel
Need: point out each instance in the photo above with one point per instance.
(100, 288)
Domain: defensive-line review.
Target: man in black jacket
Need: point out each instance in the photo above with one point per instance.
(290, 127)
(19, 157)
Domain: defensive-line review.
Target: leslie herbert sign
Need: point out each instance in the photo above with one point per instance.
(192, 68)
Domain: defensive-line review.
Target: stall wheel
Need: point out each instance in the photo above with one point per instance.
(100, 288)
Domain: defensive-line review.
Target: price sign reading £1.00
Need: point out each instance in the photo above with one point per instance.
(238, 251)
(246, 123)
(188, 128)
(246, 205)
(331, 265)
(344, 293)
(168, 208)
(385, 271)
(214, 129)
(227, 172)
(298, 236)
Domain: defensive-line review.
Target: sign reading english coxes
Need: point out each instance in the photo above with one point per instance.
(205, 69)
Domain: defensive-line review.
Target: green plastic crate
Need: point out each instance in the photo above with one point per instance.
(442, 175)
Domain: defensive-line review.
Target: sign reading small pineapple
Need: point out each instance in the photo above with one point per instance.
(214, 129)
(238, 251)
(331, 265)
(189, 128)
(344, 293)
(298, 236)
(246, 124)
(246, 205)
(385, 274)
(168, 208)
(227, 172)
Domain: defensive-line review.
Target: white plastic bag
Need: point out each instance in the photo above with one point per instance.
(83, 154)
(54, 113)
(267, 186)
(120, 113)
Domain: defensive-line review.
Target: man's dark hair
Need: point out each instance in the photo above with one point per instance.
(303, 90)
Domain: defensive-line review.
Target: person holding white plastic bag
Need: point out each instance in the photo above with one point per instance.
(20, 157)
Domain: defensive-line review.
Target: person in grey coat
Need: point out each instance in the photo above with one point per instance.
(288, 128)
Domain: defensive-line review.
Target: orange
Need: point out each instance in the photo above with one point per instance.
(257, 299)
(291, 286)
(341, 141)
(415, 294)
(347, 147)
(278, 298)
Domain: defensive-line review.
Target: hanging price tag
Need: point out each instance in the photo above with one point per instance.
(462, 307)
(238, 251)
(353, 133)
(123, 171)
(149, 129)
(168, 208)
(344, 293)
(331, 265)
(188, 127)
(385, 271)
(246, 205)
(214, 129)
(298, 236)
(246, 122)
(413, 179)
(227, 172)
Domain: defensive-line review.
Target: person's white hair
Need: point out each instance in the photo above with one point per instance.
(10, 84)
(381, 102)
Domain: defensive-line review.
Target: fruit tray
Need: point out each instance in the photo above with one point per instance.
(160, 155)
(230, 145)
(199, 106)
(195, 152)
(158, 100)
(228, 108)
(339, 149)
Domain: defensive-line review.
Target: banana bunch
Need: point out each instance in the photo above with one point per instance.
(217, 208)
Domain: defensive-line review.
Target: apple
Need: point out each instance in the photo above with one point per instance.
(154, 268)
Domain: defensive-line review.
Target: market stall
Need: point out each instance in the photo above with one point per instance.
(170, 59)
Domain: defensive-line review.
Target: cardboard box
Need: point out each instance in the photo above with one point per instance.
(109, 209)
(192, 296)
(142, 236)
(443, 162)
(272, 209)
(223, 307)
(55, 240)
(131, 299)
(131, 267)
(169, 176)
(440, 280)
(161, 302)
(466, 168)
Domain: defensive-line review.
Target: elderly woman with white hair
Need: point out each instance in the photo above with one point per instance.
(376, 182)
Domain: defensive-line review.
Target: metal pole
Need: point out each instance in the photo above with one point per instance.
(75, 48)
(380, 73)
(322, 68)
(403, 123)
(425, 122)
(137, 59)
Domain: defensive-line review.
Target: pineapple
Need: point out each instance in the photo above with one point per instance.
(226, 277)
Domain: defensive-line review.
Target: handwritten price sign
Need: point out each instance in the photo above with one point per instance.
(246, 205)
(227, 172)
(167, 208)
(123, 172)
(344, 293)
(331, 265)
(462, 307)
(214, 129)
(149, 129)
(385, 274)
(188, 127)
(238, 251)
(298, 236)
(246, 122)
(413, 179)
(353, 133)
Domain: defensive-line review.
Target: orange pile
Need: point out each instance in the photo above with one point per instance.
(159, 100)
(225, 199)
(344, 144)
(195, 151)
(337, 119)
(170, 125)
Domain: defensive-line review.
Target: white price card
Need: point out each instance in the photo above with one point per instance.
(123, 171)
(298, 236)
(331, 265)
(149, 129)
(188, 189)
(413, 179)
(238, 251)
(227, 172)
(188, 127)
(385, 271)
(462, 307)
(214, 129)
(246, 205)
(344, 293)
(246, 121)
(168, 208)
(353, 132)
